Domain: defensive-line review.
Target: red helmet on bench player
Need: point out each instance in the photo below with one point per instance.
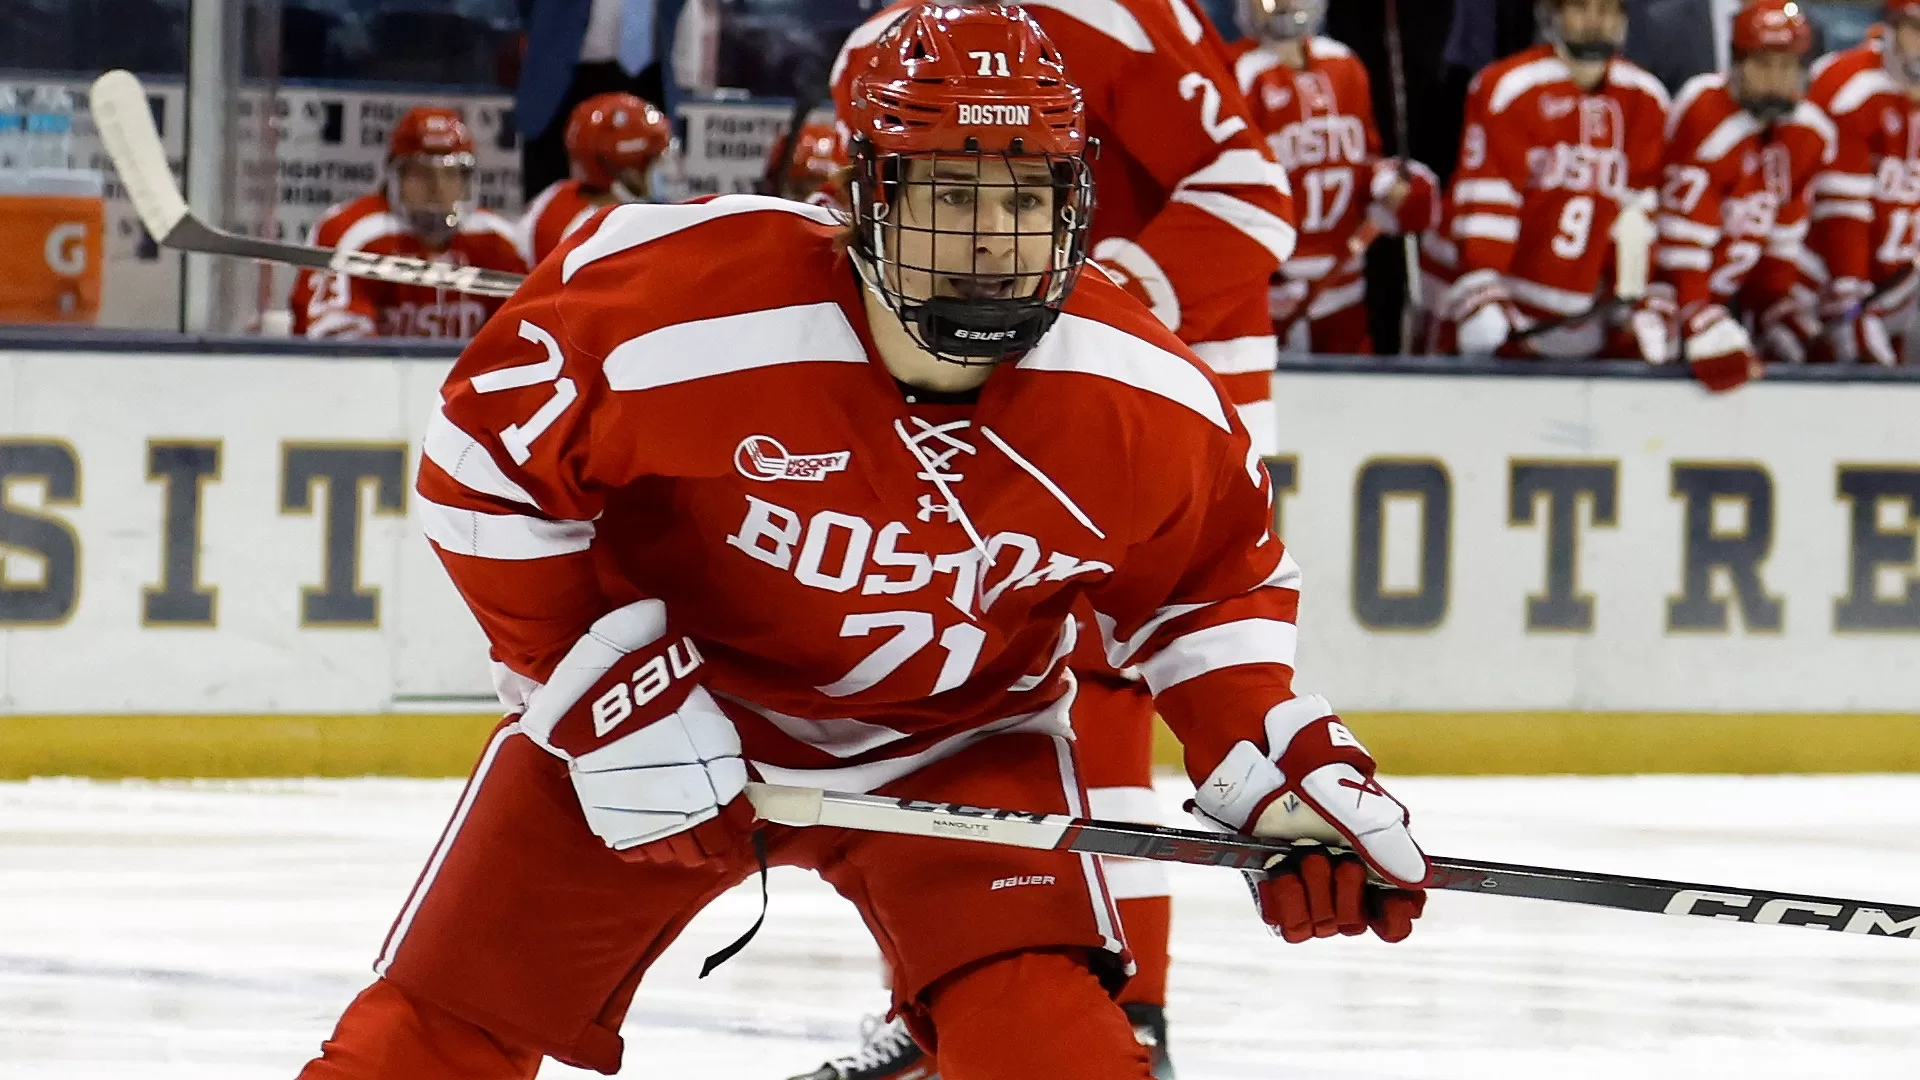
(1771, 40)
(970, 190)
(614, 142)
(430, 168)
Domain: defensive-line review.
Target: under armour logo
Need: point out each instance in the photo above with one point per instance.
(1366, 786)
(928, 508)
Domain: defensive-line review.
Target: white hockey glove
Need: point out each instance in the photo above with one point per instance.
(1651, 325)
(654, 761)
(1319, 789)
(1480, 301)
(1718, 349)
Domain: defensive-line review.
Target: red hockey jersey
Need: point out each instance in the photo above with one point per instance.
(551, 217)
(1319, 124)
(327, 305)
(874, 583)
(1733, 199)
(1866, 203)
(1187, 193)
(1543, 169)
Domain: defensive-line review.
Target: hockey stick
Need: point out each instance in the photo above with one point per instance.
(1058, 832)
(1409, 244)
(119, 106)
(807, 80)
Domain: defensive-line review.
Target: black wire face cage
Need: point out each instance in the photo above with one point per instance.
(435, 227)
(962, 246)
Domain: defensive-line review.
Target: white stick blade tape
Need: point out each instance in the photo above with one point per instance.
(785, 805)
(1632, 241)
(120, 112)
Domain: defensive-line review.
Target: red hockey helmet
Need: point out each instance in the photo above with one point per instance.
(815, 164)
(971, 192)
(611, 135)
(1775, 26)
(430, 166)
(430, 131)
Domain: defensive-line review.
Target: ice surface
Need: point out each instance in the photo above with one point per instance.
(214, 931)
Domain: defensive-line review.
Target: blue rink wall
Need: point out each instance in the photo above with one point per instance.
(211, 565)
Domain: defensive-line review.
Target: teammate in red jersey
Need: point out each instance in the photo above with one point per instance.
(1741, 149)
(615, 144)
(1866, 203)
(1310, 95)
(424, 209)
(1194, 214)
(1194, 218)
(810, 513)
(1559, 139)
(814, 169)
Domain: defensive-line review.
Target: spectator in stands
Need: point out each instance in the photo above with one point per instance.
(575, 50)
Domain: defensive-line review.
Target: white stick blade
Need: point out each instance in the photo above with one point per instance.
(120, 112)
(1633, 236)
(785, 805)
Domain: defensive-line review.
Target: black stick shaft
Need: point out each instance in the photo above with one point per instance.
(809, 806)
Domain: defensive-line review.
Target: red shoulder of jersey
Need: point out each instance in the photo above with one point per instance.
(1501, 84)
(359, 219)
(1847, 86)
(551, 217)
(726, 256)
(487, 239)
(1810, 136)
(1706, 124)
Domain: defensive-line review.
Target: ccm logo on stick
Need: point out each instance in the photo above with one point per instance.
(1790, 912)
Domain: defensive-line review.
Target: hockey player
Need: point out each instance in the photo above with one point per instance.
(1194, 218)
(1561, 140)
(810, 512)
(615, 143)
(425, 208)
(813, 169)
(1310, 95)
(1741, 149)
(1866, 204)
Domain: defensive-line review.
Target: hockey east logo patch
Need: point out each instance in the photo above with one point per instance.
(762, 457)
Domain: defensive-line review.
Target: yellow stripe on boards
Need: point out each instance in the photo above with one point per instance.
(410, 744)
(1613, 743)
(1457, 743)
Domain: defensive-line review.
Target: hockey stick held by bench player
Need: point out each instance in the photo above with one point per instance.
(874, 813)
(119, 106)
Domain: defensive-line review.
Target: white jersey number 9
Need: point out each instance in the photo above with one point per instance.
(1576, 225)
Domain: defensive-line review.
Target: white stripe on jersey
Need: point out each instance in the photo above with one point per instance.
(509, 537)
(635, 224)
(703, 348)
(461, 457)
(1862, 87)
(1726, 135)
(1089, 347)
(1271, 232)
(1244, 641)
(1110, 17)
(1238, 356)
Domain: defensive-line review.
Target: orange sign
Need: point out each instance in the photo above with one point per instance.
(51, 249)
